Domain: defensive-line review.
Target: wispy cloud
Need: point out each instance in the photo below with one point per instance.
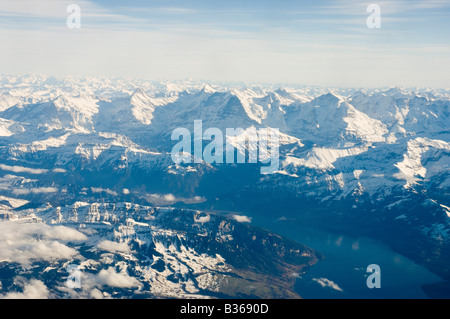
(28, 170)
(324, 282)
(169, 199)
(37, 190)
(321, 43)
(21, 169)
(103, 190)
(47, 14)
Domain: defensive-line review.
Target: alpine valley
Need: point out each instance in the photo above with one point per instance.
(87, 179)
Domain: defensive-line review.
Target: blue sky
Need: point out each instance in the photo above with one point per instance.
(323, 43)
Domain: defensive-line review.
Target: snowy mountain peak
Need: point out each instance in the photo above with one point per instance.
(328, 100)
(208, 89)
(139, 92)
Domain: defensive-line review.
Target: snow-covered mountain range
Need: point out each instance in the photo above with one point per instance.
(124, 250)
(373, 162)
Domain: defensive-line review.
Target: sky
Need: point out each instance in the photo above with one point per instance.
(324, 43)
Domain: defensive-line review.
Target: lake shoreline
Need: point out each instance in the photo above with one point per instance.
(292, 229)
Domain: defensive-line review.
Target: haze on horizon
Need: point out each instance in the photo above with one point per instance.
(325, 43)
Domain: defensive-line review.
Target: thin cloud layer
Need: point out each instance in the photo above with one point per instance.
(21, 169)
(37, 190)
(320, 43)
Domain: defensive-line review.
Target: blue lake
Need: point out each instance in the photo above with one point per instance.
(342, 273)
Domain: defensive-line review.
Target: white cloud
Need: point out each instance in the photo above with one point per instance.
(101, 190)
(51, 9)
(203, 219)
(110, 277)
(33, 289)
(324, 282)
(242, 218)
(96, 294)
(25, 243)
(113, 246)
(61, 233)
(168, 199)
(89, 288)
(21, 169)
(38, 190)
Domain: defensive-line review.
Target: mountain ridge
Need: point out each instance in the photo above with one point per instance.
(368, 159)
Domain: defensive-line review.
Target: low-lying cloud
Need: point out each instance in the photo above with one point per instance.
(21, 169)
(25, 243)
(109, 277)
(37, 190)
(242, 218)
(32, 289)
(28, 170)
(103, 190)
(113, 246)
(169, 199)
